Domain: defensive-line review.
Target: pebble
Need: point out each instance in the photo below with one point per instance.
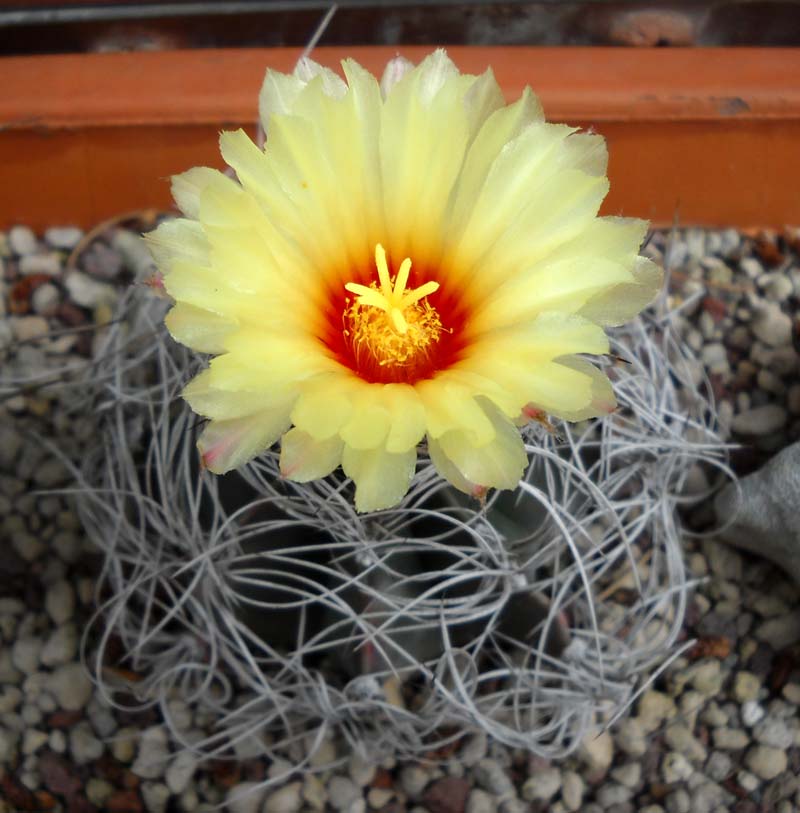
(746, 686)
(314, 793)
(29, 328)
(597, 751)
(59, 602)
(719, 766)
(479, 801)
(25, 654)
(33, 740)
(123, 745)
(542, 786)
(88, 293)
(49, 264)
(766, 762)
(342, 792)
(572, 790)
(730, 739)
(152, 754)
(413, 780)
(676, 768)
(491, 776)
(772, 326)
(773, 732)
(22, 241)
(682, 740)
(246, 797)
(751, 713)
(760, 421)
(64, 238)
(61, 646)
(361, 770)
(83, 744)
(286, 800)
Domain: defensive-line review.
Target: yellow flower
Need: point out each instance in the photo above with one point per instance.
(404, 260)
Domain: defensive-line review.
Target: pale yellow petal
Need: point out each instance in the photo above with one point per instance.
(602, 400)
(189, 186)
(500, 463)
(178, 238)
(277, 95)
(448, 405)
(446, 469)
(198, 328)
(228, 444)
(502, 127)
(625, 300)
(395, 70)
(407, 417)
(219, 404)
(323, 407)
(368, 423)
(332, 85)
(303, 458)
(381, 478)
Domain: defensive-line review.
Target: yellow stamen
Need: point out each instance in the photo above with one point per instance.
(389, 324)
(394, 300)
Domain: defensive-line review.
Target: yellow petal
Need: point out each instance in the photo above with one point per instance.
(449, 406)
(407, 425)
(500, 463)
(198, 328)
(304, 459)
(446, 469)
(323, 407)
(277, 95)
(382, 478)
(368, 423)
(219, 404)
(226, 445)
(188, 187)
(625, 300)
(177, 239)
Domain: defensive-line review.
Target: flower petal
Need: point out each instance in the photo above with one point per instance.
(323, 407)
(622, 302)
(408, 417)
(382, 478)
(198, 328)
(177, 239)
(226, 445)
(500, 463)
(189, 186)
(368, 423)
(304, 459)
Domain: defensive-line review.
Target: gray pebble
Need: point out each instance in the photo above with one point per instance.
(342, 792)
(59, 601)
(83, 744)
(719, 766)
(87, 292)
(759, 421)
(33, 740)
(152, 755)
(675, 768)
(29, 328)
(25, 654)
(71, 686)
(612, 793)
(491, 776)
(362, 771)
(479, 801)
(773, 732)
(246, 797)
(751, 713)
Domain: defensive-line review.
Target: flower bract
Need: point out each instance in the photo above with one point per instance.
(405, 260)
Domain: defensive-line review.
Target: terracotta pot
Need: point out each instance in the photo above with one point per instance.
(706, 136)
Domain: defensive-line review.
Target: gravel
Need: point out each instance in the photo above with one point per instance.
(718, 730)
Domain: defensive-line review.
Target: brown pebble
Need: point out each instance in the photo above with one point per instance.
(382, 779)
(71, 314)
(64, 719)
(447, 795)
(124, 801)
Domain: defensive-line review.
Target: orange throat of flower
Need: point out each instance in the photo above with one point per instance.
(392, 333)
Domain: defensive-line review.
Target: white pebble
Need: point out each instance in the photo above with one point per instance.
(45, 298)
(751, 713)
(21, 240)
(766, 762)
(772, 326)
(63, 237)
(542, 785)
(342, 792)
(88, 293)
(49, 264)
